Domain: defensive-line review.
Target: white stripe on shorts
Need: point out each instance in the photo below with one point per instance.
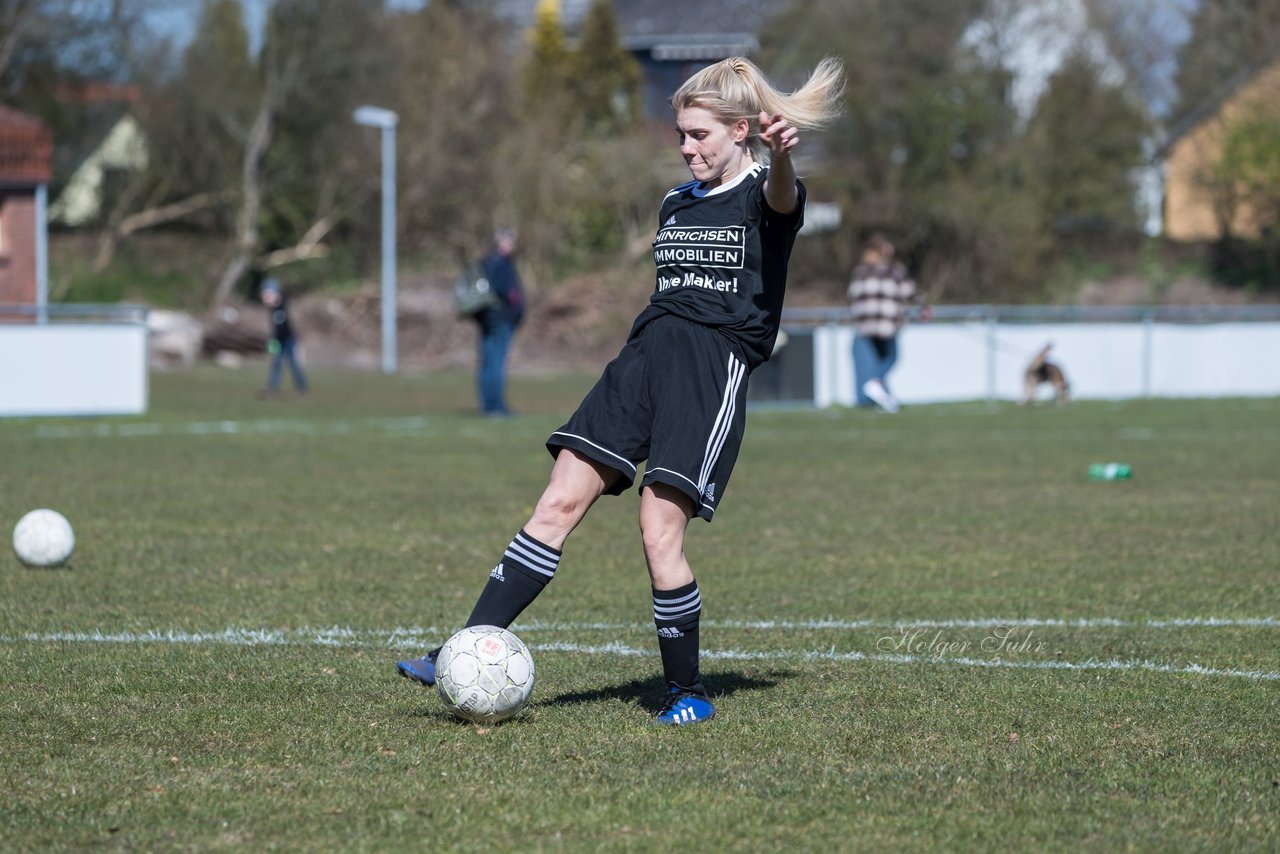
(630, 465)
(724, 421)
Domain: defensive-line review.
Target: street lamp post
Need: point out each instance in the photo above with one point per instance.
(386, 120)
(42, 253)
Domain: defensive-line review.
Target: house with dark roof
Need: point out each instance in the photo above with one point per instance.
(122, 148)
(670, 39)
(107, 145)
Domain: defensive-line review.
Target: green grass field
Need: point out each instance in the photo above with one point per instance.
(214, 669)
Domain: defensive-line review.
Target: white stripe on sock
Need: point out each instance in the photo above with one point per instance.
(679, 614)
(678, 600)
(522, 548)
(681, 606)
(535, 546)
(520, 554)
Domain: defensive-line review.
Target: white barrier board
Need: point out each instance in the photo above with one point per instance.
(967, 361)
(73, 369)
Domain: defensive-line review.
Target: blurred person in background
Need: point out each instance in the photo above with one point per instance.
(498, 324)
(879, 294)
(282, 344)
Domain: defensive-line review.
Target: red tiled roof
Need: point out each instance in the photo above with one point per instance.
(98, 92)
(10, 117)
(26, 148)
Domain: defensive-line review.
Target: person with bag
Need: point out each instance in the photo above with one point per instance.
(497, 315)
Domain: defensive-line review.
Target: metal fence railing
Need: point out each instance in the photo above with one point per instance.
(113, 313)
(1015, 314)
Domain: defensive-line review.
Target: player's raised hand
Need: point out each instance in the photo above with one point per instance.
(777, 133)
(780, 137)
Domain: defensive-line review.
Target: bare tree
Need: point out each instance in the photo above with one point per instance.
(1228, 38)
(192, 112)
(319, 59)
(246, 238)
(1142, 39)
(121, 225)
(456, 115)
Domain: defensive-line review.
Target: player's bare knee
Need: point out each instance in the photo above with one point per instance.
(559, 510)
(661, 539)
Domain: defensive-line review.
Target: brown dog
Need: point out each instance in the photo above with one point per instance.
(1041, 371)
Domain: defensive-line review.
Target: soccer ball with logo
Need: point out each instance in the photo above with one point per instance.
(484, 674)
(43, 538)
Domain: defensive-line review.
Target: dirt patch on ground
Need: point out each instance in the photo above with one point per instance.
(1136, 290)
(577, 325)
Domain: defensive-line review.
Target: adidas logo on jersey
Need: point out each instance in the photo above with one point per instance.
(670, 632)
(670, 221)
(496, 574)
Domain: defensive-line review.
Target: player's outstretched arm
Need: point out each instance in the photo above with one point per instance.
(780, 188)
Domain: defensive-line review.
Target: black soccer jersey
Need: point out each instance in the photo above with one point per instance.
(722, 258)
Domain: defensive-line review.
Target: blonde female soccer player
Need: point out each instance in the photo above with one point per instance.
(676, 394)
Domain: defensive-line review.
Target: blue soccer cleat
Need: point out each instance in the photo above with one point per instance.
(684, 707)
(421, 670)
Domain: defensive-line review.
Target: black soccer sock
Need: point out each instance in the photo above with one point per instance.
(526, 567)
(676, 613)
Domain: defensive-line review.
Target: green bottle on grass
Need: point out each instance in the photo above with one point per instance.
(1110, 471)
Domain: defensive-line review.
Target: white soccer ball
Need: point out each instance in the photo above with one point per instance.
(484, 674)
(43, 538)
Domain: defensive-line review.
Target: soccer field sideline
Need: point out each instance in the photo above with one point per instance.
(426, 636)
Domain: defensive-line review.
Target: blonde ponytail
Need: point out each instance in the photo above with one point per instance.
(735, 88)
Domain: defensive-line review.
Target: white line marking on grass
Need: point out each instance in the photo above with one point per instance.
(979, 623)
(832, 655)
(413, 423)
(422, 635)
(228, 637)
(346, 637)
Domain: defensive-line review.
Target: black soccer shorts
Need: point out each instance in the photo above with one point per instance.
(676, 396)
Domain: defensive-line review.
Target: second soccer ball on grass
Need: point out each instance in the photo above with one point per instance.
(43, 538)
